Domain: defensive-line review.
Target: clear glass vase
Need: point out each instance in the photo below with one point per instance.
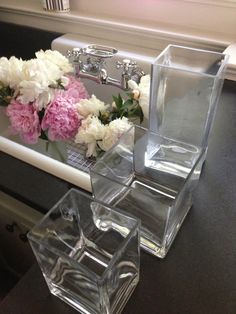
(153, 178)
(185, 89)
(88, 253)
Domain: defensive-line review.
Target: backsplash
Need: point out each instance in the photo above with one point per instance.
(22, 41)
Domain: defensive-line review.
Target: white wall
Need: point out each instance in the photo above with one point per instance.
(150, 24)
(211, 19)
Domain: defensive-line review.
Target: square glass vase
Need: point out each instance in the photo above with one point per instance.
(88, 253)
(150, 177)
(186, 86)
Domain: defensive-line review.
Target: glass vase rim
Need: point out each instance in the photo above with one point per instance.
(121, 246)
(224, 60)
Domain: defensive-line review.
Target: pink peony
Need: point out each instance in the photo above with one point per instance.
(61, 119)
(24, 121)
(75, 89)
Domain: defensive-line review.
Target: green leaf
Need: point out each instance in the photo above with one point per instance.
(60, 85)
(6, 94)
(127, 103)
(115, 115)
(43, 135)
(118, 101)
(41, 114)
(104, 117)
(139, 113)
(141, 117)
(136, 111)
(3, 103)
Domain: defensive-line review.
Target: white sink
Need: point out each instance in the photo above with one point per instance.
(35, 154)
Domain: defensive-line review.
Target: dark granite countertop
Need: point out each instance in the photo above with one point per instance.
(198, 275)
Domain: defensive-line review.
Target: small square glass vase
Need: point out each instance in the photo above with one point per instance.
(153, 178)
(185, 89)
(88, 253)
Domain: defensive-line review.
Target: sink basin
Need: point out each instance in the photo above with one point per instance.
(36, 154)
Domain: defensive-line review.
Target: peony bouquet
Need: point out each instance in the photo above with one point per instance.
(43, 99)
(102, 125)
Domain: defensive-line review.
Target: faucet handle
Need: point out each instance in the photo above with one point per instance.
(127, 65)
(74, 54)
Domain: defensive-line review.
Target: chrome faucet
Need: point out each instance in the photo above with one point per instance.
(90, 63)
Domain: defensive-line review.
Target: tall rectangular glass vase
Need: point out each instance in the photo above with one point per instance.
(185, 89)
(152, 178)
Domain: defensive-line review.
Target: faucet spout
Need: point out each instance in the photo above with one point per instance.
(107, 80)
(116, 83)
(88, 76)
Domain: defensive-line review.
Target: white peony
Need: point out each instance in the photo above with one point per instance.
(29, 91)
(113, 132)
(90, 131)
(15, 71)
(142, 91)
(45, 98)
(41, 71)
(37, 76)
(11, 71)
(31, 79)
(64, 81)
(56, 58)
(4, 69)
(132, 85)
(90, 106)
